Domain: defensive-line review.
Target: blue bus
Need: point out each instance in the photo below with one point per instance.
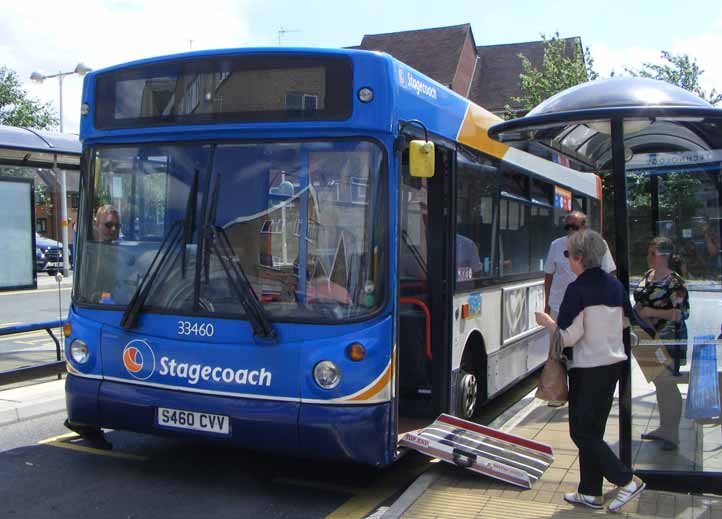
(302, 251)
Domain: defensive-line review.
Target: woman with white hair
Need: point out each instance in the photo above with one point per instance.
(591, 321)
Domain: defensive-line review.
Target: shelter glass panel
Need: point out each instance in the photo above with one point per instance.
(674, 203)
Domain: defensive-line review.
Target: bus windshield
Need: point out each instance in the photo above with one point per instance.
(304, 221)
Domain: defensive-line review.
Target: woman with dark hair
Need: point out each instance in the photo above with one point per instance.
(662, 300)
(591, 321)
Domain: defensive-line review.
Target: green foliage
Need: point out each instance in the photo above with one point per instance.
(676, 191)
(565, 65)
(17, 109)
(43, 195)
(680, 70)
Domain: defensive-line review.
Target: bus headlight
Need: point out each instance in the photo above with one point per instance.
(79, 351)
(365, 95)
(326, 374)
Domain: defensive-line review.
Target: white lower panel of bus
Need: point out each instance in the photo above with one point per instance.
(481, 449)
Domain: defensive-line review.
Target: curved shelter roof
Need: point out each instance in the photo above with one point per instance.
(657, 116)
(37, 148)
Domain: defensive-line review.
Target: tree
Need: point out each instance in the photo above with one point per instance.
(680, 70)
(565, 65)
(18, 109)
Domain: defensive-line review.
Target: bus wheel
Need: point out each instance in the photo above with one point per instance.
(468, 394)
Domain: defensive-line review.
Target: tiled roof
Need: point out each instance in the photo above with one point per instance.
(434, 52)
(496, 79)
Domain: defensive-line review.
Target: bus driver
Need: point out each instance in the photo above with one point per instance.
(107, 224)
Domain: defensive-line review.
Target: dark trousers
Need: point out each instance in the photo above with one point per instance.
(591, 392)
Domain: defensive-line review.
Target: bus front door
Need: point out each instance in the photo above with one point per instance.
(424, 259)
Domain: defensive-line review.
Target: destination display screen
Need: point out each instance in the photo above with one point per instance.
(218, 89)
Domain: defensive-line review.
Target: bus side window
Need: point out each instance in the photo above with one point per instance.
(476, 217)
(514, 224)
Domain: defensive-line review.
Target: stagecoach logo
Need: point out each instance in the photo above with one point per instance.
(139, 359)
(408, 80)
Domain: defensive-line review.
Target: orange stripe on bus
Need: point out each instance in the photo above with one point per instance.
(377, 387)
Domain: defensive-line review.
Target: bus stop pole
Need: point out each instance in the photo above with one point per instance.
(622, 253)
(63, 215)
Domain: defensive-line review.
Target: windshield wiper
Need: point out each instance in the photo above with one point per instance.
(240, 284)
(189, 225)
(180, 232)
(159, 263)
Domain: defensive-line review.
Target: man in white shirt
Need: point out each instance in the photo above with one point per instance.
(557, 272)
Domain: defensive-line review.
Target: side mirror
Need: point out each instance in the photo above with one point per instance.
(421, 159)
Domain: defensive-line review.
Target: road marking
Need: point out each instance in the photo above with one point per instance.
(59, 438)
(11, 323)
(33, 291)
(368, 499)
(27, 335)
(40, 340)
(63, 441)
(99, 452)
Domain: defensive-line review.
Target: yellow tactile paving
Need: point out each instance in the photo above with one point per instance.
(462, 503)
(458, 495)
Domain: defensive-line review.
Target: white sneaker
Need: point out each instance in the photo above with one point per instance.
(575, 498)
(626, 493)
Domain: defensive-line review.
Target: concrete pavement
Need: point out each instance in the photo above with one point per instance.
(449, 492)
(23, 403)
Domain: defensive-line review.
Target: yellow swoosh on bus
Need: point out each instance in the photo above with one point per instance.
(473, 131)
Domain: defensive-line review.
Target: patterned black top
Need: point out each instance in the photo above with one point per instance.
(665, 294)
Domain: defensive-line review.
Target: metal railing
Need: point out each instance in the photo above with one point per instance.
(46, 369)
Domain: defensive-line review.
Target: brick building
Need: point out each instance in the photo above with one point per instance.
(486, 74)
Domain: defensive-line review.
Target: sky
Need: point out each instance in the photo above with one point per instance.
(49, 36)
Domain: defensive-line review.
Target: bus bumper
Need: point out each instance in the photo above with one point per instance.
(349, 433)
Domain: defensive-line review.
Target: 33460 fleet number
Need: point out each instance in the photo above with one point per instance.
(199, 329)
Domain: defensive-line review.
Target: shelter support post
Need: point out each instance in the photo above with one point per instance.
(63, 214)
(622, 260)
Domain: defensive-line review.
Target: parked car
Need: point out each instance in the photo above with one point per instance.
(49, 255)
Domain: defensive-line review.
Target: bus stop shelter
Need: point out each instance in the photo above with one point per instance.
(658, 149)
(29, 158)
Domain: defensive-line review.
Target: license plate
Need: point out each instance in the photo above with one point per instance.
(194, 421)
(55, 264)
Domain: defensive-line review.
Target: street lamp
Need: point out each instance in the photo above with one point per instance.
(80, 69)
(37, 77)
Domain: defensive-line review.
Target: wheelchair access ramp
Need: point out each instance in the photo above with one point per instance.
(481, 449)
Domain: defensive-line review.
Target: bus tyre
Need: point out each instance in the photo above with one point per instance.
(468, 394)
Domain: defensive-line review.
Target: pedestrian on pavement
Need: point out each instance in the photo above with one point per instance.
(557, 273)
(591, 321)
(662, 300)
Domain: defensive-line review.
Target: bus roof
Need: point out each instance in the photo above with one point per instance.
(401, 93)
